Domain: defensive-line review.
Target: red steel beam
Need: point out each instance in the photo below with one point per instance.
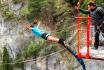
(92, 58)
(88, 37)
(78, 28)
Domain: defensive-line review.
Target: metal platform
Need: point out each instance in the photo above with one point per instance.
(95, 54)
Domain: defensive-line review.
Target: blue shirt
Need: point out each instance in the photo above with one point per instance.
(36, 31)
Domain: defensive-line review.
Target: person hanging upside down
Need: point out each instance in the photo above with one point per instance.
(38, 33)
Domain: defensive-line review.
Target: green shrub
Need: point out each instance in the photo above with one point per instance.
(6, 60)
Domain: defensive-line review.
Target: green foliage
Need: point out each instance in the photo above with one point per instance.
(33, 49)
(16, 1)
(72, 2)
(6, 12)
(34, 6)
(84, 2)
(6, 60)
(1, 67)
(59, 9)
(24, 11)
(100, 2)
(19, 61)
(48, 50)
(63, 30)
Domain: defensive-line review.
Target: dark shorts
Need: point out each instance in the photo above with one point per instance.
(45, 36)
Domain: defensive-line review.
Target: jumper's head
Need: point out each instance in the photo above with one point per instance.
(35, 21)
(91, 6)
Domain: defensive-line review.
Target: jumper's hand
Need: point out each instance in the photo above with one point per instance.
(28, 26)
(76, 7)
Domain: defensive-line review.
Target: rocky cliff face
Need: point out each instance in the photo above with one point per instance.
(14, 37)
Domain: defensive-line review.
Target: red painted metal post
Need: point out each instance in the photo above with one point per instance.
(88, 38)
(78, 28)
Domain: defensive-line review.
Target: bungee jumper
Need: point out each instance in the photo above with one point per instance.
(40, 34)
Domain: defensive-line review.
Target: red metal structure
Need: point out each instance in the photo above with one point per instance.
(87, 31)
(87, 35)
